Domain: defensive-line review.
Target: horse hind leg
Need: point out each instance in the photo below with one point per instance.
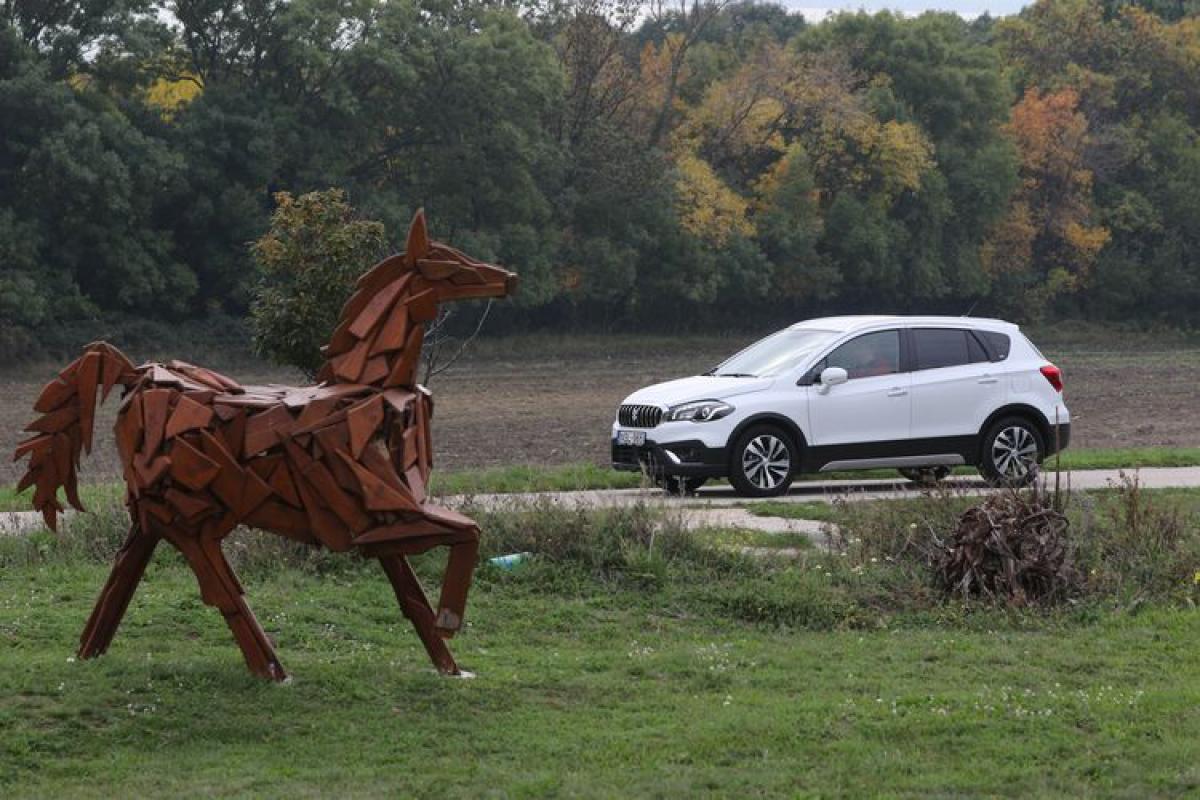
(219, 587)
(128, 569)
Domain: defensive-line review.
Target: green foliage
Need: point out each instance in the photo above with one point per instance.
(309, 259)
(81, 190)
(651, 168)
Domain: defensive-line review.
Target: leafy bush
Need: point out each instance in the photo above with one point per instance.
(310, 258)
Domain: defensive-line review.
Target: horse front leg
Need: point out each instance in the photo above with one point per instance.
(456, 583)
(415, 606)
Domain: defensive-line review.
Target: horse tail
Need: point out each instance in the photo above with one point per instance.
(67, 406)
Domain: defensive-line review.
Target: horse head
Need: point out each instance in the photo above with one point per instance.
(382, 326)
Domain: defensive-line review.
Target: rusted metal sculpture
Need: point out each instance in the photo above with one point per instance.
(343, 464)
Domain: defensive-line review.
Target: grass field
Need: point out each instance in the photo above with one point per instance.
(612, 664)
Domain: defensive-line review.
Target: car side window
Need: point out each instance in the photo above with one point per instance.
(976, 352)
(946, 347)
(999, 343)
(867, 356)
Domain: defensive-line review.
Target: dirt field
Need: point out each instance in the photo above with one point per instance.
(545, 400)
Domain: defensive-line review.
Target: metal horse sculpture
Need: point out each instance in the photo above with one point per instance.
(343, 464)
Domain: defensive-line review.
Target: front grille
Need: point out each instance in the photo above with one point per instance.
(639, 416)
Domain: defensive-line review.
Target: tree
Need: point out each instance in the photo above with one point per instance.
(1048, 244)
(81, 194)
(684, 24)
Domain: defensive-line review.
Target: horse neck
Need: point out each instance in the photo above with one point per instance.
(379, 342)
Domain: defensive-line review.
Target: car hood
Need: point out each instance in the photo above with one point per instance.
(699, 387)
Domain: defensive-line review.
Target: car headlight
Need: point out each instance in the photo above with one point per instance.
(699, 411)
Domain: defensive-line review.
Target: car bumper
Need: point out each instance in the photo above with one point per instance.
(1062, 439)
(690, 459)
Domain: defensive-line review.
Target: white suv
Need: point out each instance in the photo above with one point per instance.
(921, 394)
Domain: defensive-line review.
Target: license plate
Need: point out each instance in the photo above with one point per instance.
(635, 438)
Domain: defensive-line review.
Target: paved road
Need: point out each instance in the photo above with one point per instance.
(716, 506)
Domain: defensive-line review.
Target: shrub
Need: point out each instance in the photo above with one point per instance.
(310, 258)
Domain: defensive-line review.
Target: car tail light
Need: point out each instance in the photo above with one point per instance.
(1054, 375)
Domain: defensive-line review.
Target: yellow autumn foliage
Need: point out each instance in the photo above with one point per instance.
(902, 155)
(857, 150)
(1009, 246)
(708, 208)
(1087, 241)
(742, 115)
(169, 95)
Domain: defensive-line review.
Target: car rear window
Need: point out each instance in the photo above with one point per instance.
(946, 347)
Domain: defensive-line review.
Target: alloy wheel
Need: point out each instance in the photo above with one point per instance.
(766, 462)
(1014, 452)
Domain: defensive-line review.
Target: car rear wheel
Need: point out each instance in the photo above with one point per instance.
(1012, 450)
(763, 462)
(925, 476)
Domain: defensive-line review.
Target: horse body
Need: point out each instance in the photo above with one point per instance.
(343, 464)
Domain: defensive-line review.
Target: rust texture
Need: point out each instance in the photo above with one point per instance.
(343, 464)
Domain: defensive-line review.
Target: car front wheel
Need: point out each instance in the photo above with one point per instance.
(1012, 451)
(763, 461)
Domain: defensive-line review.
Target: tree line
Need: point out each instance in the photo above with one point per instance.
(640, 165)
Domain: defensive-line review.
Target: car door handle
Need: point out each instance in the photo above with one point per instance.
(897, 391)
(988, 379)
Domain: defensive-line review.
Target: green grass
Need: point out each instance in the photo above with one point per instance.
(602, 694)
(1186, 499)
(1130, 457)
(624, 659)
(586, 696)
(92, 494)
(528, 478)
(823, 512)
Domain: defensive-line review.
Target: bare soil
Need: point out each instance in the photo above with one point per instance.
(546, 400)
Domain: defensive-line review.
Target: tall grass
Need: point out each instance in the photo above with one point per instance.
(1132, 546)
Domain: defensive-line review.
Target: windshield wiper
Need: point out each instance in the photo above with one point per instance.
(735, 375)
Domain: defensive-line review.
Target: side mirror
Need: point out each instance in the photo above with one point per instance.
(831, 377)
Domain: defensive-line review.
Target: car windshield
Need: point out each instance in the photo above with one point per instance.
(773, 355)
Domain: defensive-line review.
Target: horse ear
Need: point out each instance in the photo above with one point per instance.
(418, 239)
